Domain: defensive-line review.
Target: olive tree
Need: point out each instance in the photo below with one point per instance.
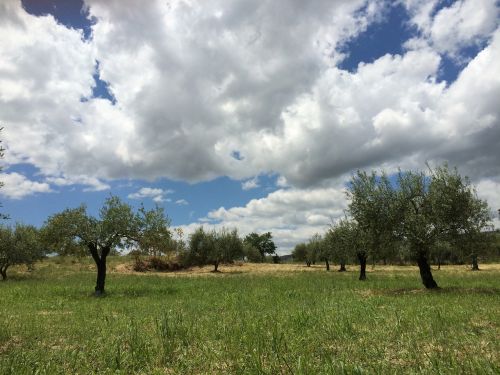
(318, 249)
(373, 206)
(441, 205)
(341, 238)
(214, 247)
(299, 253)
(19, 245)
(116, 227)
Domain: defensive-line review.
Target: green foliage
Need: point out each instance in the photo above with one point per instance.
(155, 237)
(344, 240)
(252, 254)
(440, 207)
(19, 245)
(214, 247)
(263, 242)
(299, 253)
(374, 207)
(315, 249)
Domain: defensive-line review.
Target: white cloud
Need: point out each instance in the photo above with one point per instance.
(461, 24)
(181, 202)
(17, 186)
(90, 183)
(253, 183)
(156, 194)
(489, 190)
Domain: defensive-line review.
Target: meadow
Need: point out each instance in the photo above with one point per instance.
(248, 319)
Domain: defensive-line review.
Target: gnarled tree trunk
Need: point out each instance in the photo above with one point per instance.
(3, 271)
(425, 271)
(342, 267)
(362, 265)
(100, 262)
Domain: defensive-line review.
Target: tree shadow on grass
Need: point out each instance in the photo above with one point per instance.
(490, 291)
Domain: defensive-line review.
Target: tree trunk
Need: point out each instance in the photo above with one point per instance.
(342, 267)
(101, 276)
(3, 272)
(327, 265)
(439, 263)
(216, 266)
(425, 271)
(100, 262)
(362, 265)
(308, 264)
(475, 265)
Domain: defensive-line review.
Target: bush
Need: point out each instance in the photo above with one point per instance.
(155, 263)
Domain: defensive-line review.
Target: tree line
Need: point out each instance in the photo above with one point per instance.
(420, 215)
(117, 227)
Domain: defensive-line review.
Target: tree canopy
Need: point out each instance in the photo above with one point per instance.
(262, 242)
(19, 245)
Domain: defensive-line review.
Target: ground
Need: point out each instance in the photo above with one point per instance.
(248, 319)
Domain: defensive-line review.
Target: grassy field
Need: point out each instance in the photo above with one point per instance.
(249, 319)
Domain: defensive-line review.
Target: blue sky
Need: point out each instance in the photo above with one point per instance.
(249, 114)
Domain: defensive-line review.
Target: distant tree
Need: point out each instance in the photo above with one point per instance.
(263, 242)
(19, 245)
(299, 253)
(214, 247)
(116, 227)
(228, 247)
(320, 250)
(341, 242)
(252, 254)
(312, 253)
(373, 206)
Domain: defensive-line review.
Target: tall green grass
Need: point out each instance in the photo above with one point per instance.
(300, 323)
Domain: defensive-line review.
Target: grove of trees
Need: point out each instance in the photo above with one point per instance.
(420, 214)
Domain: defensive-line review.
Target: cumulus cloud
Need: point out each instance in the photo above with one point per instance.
(17, 186)
(181, 202)
(253, 183)
(156, 194)
(451, 28)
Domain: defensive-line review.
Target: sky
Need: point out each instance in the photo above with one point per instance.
(248, 114)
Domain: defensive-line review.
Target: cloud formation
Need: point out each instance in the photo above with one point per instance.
(198, 82)
(156, 194)
(16, 186)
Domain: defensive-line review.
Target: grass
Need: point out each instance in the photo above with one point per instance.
(249, 319)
